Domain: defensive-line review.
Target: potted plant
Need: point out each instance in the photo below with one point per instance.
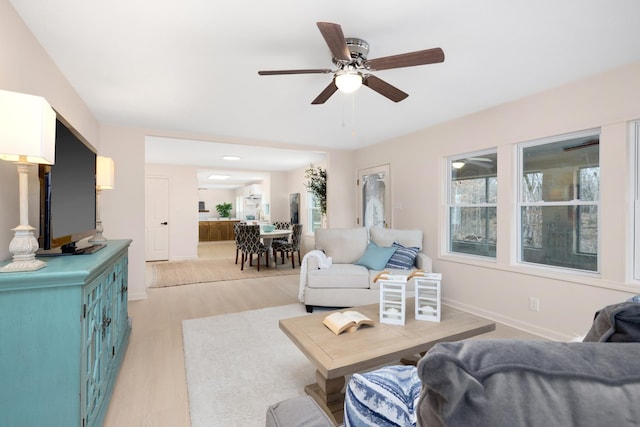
(317, 185)
(224, 209)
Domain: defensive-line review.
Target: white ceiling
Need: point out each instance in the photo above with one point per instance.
(192, 65)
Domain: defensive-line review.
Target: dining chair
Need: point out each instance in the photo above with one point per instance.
(281, 225)
(236, 234)
(291, 247)
(250, 244)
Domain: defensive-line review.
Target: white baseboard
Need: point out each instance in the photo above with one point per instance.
(137, 296)
(184, 258)
(514, 323)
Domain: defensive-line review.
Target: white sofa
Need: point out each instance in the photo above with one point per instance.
(345, 283)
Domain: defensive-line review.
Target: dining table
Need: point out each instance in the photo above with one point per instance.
(267, 239)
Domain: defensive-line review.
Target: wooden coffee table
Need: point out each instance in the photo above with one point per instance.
(370, 346)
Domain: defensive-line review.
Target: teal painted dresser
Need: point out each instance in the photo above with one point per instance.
(64, 330)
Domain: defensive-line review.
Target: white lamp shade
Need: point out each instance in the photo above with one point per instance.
(27, 128)
(104, 173)
(348, 82)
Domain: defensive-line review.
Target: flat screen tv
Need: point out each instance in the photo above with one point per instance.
(68, 195)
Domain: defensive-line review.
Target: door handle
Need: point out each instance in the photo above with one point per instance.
(164, 223)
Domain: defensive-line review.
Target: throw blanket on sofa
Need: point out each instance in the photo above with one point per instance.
(323, 262)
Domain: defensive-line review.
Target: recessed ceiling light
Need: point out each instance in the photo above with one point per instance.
(219, 177)
(231, 157)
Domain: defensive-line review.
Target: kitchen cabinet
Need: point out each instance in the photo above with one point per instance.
(203, 231)
(215, 231)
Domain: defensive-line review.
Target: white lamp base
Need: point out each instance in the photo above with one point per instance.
(98, 238)
(23, 246)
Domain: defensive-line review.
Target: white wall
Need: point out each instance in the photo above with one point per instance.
(216, 196)
(279, 209)
(123, 209)
(500, 289)
(341, 189)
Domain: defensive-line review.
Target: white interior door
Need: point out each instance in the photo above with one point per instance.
(157, 219)
(375, 196)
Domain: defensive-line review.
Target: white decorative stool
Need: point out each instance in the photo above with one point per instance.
(428, 296)
(393, 307)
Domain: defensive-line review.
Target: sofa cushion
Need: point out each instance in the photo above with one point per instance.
(376, 257)
(388, 236)
(530, 383)
(343, 245)
(616, 323)
(403, 258)
(300, 411)
(339, 276)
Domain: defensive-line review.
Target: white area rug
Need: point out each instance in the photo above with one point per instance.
(239, 364)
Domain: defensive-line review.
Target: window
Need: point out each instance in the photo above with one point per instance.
(314, 216)
(559, 200)
(239, 207)
(473, 196)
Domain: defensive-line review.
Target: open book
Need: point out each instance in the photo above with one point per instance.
(346, 321)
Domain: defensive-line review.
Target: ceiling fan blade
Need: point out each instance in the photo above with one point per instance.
(307, 71)
(384, 88)
(325, 94)
(421, 57)
(334, 37)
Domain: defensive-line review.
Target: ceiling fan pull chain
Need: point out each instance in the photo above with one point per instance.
(353, 112)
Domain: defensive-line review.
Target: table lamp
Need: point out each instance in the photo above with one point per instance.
(104, 181)
(27, 137)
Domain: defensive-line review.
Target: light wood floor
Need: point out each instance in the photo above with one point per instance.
(151, 389)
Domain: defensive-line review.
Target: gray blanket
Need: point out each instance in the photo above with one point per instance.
(616, 323)
(514, 383)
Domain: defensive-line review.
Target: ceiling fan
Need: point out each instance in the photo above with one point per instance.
(353, 67)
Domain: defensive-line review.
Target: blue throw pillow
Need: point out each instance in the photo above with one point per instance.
(376, 257)
(403, 258)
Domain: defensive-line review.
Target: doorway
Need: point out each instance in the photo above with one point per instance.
(157, 219)
(375, 196)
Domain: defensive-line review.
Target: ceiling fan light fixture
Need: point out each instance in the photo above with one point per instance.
(348, 81)
(457, 164)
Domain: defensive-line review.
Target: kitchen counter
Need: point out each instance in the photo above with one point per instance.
(216, 229)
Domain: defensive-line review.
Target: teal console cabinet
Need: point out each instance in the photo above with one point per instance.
(64, 330)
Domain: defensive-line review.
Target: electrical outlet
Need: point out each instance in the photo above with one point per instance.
(534, 304)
